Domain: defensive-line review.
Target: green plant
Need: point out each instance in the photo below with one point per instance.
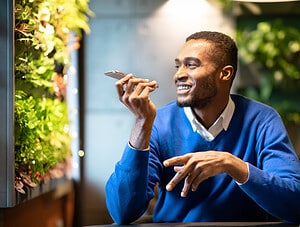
(275, 49)
(42, 55)
(41, 133)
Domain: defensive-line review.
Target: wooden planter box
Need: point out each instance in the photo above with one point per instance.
(51, 204)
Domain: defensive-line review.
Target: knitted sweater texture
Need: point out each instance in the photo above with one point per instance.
(256, 134)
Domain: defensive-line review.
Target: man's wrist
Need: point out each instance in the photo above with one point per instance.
(237, 169)
(132, 147)
(247, 176)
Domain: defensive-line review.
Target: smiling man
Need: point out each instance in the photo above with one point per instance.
(216, 156)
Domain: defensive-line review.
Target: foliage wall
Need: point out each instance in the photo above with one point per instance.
(269, 48)
(42, 55)
(273, 48)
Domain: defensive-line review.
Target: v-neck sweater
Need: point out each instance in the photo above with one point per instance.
(255, 134)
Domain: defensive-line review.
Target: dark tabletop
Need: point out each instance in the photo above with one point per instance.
(217, 224)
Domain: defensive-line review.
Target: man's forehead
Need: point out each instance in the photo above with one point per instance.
(194, 48)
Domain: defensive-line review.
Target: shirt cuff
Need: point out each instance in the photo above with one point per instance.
(132, 147)
(247, 177)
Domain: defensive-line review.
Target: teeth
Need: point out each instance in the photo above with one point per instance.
(183, 87)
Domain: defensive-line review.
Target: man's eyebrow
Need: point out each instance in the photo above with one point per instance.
(188, 59)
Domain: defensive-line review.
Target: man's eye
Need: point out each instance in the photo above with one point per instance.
(177, 66)
(191, 65)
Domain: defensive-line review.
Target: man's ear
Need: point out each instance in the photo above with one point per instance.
(227, 73)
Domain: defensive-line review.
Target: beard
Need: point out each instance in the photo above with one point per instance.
(202, 96)
(194, 102)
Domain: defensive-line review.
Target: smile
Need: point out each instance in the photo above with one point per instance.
(183, 87)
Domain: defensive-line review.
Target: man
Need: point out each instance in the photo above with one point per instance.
(215, 156)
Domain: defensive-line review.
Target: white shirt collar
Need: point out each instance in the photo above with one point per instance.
(221, 123)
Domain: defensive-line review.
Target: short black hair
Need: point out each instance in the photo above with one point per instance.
(225, 47)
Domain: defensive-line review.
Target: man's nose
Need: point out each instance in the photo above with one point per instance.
(181, 72)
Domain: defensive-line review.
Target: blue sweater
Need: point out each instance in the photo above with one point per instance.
(256, 134)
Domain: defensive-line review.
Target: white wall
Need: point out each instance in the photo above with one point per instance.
(141, 37)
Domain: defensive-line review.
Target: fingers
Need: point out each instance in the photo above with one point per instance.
(192, 180)
(182, 172)
(192, 170)
(121, 83)
(175, 160)
(187, 185)
(142, 89)
(198, 180)
(130, 88)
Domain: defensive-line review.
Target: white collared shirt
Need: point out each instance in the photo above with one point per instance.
(221, 123)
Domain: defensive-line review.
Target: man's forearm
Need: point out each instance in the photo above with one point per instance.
(140, 135)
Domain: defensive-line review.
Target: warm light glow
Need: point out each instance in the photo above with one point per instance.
(184, 17)
(186, 8)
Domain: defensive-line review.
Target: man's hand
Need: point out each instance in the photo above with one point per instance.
(134, 94)
(196, 167)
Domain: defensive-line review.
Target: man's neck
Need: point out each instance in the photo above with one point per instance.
(210, 113)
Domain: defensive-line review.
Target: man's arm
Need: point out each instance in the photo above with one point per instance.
(134, 94)
(126, 191)
(277, 195)
(127, 194)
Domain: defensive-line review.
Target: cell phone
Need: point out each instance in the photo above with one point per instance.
(118, 75)
(115, 74)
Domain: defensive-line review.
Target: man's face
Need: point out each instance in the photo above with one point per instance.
(196, 75)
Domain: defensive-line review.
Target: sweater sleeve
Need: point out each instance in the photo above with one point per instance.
(128, 191)
(274, 181)
(278, 196)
